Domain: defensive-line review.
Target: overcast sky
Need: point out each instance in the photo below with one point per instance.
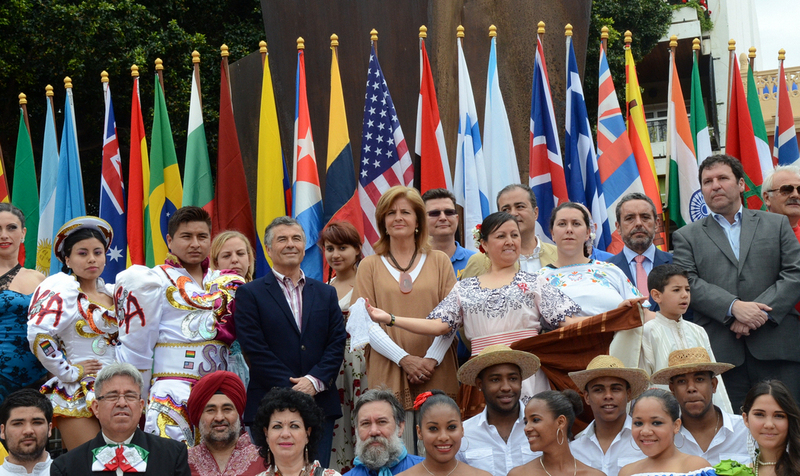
(779, 27)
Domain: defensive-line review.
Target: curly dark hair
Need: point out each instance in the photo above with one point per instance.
(280, 399)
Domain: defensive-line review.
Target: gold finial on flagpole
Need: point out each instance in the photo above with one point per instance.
(604, 33)
(23, 99)
(104, 77)
(673, 41)
(423, 31)
(752, 52)
(159, 64)
(301, 43)
(48, 91)
(568, 29)
(67, 83)
(492, 31)
(373, 35)
(195, 57)
(334, 40)
(696, 44)
(224, 51)
(628, 38)
(731, 45)
(460, 31)
(262, 47)
(134, 71)
(781, 54)
(541, 28)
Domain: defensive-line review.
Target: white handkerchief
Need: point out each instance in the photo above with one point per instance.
(358, 324)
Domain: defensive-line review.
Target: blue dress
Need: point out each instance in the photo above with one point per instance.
(18, 366)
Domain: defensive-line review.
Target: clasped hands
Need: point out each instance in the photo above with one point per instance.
(749, 317)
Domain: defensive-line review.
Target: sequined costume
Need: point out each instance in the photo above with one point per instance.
(174, 331)
(64, 328)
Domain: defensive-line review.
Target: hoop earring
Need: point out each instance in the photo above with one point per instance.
(633, 444)
(467, 448)
(563, 438)
(683, 440)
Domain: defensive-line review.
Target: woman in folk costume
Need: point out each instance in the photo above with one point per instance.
(72, 328)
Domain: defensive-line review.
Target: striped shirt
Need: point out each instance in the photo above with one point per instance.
(294, 294)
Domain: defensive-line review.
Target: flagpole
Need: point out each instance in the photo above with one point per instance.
(751, 57)
(23, 103)
(224, 53)
(196, 67)
(731, 59)
(160, 73)
(604, 38)
(373, 37)
(262, 48)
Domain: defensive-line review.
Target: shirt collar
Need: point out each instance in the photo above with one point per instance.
(109, 441)
(536, 251)
(282, 278)
(483, 419)
(459, 254)
(590, 429)
(649, 253)
(18, 468)
(736, 218)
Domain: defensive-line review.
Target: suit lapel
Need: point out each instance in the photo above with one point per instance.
(308, 303)
(717, 236)
(275, 290)
(749, 224)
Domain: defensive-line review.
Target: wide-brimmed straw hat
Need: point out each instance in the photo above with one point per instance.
(609, 366)
(684, 361)
(80, 223)
(498, 354)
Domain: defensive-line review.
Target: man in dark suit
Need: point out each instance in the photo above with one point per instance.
(636, 222)
(291, 329)
(744, 270)
(121, 443)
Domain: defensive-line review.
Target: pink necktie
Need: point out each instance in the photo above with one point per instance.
(641, 276)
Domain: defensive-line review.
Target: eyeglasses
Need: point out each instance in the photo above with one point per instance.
(114, 397)
(448, 212)
(786, 189)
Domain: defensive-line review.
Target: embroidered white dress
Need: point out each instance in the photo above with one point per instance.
(179, 331)
(65, 328)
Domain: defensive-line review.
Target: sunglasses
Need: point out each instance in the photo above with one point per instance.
(786, 189)
(448, 212)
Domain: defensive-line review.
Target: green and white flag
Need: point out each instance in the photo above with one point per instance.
(24, 192)
(198, 189)
(702, 141)
(759, 130)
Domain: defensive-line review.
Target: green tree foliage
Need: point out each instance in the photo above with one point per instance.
(648, 21)
(46, 40)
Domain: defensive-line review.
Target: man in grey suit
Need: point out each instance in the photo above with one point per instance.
(744, 270)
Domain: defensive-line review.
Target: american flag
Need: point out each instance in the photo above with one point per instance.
(112, 194)
(385, 161)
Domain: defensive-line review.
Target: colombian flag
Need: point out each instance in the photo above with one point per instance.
(166, 191)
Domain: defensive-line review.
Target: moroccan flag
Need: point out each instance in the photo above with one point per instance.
(232, 201)
(47, 192)
(430, 148)
(684, 198)
(271, 191)
(740, 141)
(165, 179)
(759, 129)
(697, 120)
(138, 182)
(785, 151)
(24, 192)
(640, 144)
(199, 191)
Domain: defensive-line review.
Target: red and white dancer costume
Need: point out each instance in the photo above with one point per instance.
(65, 328)
(174, 331)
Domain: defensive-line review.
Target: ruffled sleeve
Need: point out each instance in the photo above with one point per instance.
(52, 311)
(449, 310)
(554, 306)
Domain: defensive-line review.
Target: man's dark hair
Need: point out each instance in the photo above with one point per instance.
(634, 196)
(27, 397)
(660, 276)
(521, 186)
(435, 193)
(725, 159)
(186, 215)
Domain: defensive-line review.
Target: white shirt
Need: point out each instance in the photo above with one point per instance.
(531, 263)
(622, 451)
(40, 469)
(730, 442)
(483, 448)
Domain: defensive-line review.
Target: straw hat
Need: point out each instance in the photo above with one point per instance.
(608, 366)
(498, 354)
(80, 223)
(686, 361)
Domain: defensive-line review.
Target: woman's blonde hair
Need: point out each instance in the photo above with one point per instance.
(385, 205)
(219, 242)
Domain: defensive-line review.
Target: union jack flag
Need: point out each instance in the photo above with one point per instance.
(112, 194)
(385, 160)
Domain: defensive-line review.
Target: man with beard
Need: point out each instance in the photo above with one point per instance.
(380, 420)
(708, 431)
(25, 424)
(607, 387)
(215, 407)
(494, 440)
(120, 446)
(636, 222)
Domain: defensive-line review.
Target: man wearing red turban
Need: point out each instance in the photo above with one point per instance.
(215, 406)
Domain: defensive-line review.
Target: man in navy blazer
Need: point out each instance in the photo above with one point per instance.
(636, 222)
(291, 330)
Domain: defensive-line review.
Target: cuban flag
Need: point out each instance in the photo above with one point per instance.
(307, 197)
(470, 187)
(112, 193)
(385, 160)
(546, 171)
(580, 161)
